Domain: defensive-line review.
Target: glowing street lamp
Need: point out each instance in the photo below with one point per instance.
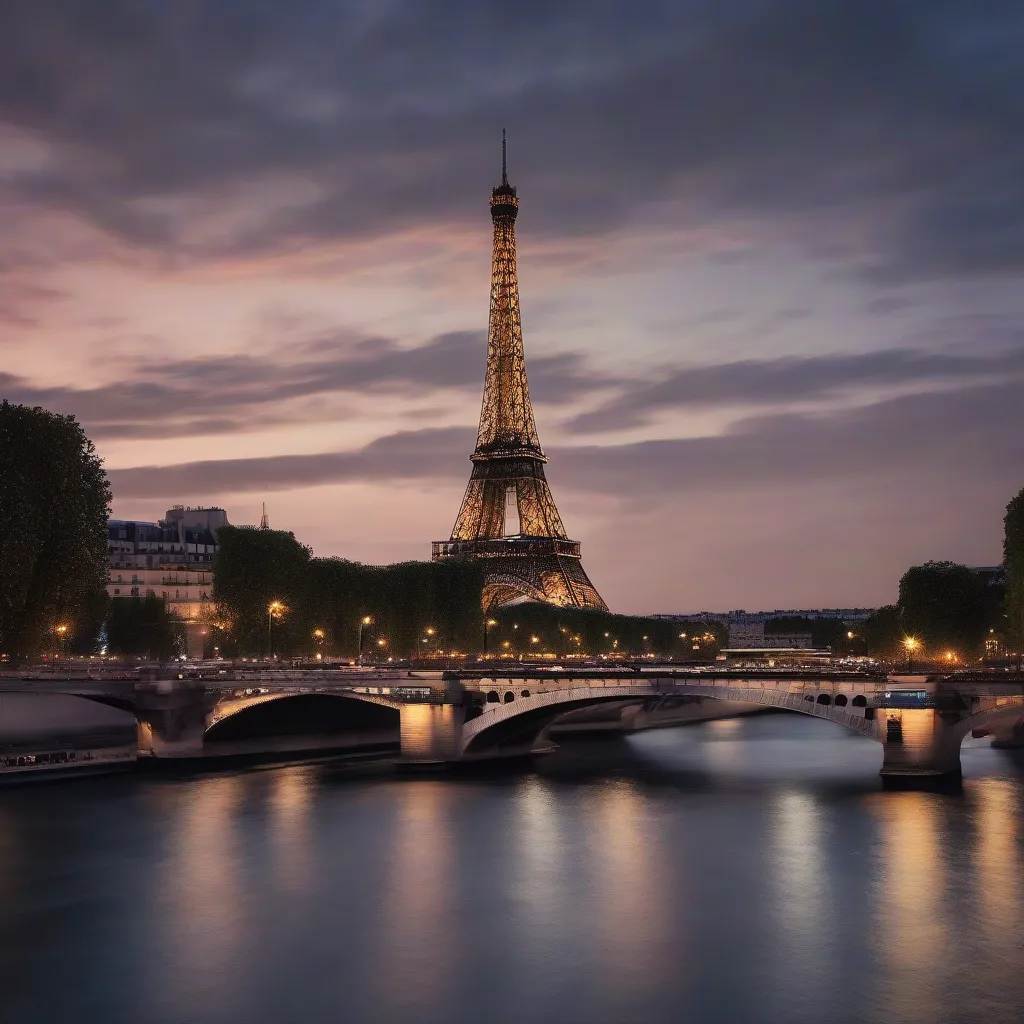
(428, 632)
(61, 630)
(366, 620)
(911, 643)
(487, 625)
(274, 610)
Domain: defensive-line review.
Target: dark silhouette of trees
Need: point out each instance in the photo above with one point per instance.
(403, 601)
(947, 607)
(54, 504)
(1013, 578)
(142, 626)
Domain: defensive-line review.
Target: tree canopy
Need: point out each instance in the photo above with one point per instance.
(144, 627)
(946, 606)
(1013, 568)
(413, 608)
(54, 505)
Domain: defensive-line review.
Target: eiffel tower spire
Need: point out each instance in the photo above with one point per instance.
(535, 558)
(264, 522)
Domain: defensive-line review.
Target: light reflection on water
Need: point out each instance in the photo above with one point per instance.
(747, 871)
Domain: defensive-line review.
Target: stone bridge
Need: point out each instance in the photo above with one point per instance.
(440, 718)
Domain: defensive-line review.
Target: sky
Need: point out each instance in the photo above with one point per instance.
(770, 261)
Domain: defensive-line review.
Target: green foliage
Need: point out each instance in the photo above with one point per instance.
(257, 567)
(945, 606)
(404, 601)
(883, 632)
(1013, 567)
(564, 631)
(54, 505)
(254, 568)
(142, 626)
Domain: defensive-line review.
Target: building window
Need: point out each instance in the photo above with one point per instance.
(116, 591)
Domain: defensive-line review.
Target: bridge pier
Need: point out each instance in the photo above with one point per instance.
(172, 722)
(919, 747)
(430, 734)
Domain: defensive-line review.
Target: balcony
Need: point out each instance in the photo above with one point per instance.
(505, 547)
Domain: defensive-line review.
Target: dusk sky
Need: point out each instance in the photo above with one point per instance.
(770, 260)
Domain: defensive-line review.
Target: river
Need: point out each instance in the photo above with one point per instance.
(744, 871)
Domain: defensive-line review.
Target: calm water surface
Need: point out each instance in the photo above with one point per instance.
(741, 871)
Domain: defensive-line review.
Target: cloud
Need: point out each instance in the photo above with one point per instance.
(406, 456)
(953, 436)
(885, 133)
(788, 380)
(221, 394)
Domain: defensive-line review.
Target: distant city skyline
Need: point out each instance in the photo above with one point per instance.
(769, 258)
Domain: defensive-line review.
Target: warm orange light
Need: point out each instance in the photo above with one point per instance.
(492, 622)
(849, 635)
(318, 633)
(430, 631)
(534, 639)
(61, 629)
(950, 656)
(382, 642)
(911, 643)
(275, 608)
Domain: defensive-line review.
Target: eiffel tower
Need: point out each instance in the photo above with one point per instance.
(507, 487)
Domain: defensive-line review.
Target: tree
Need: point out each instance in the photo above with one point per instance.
(54, 505)
(144, 627)
(883, 634)
(945, 606)
(1013, 579)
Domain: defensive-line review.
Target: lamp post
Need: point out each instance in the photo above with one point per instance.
(273, 611)
(364, 621)
(381, 644)
(61, 630)
(428, 632)
(911, 643)
(318, 637)
(487, 624)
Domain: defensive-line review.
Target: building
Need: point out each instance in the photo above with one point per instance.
(747, 629)
(508, 521)
(171, 559)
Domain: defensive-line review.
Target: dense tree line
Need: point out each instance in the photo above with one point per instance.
(269, 588)
(947, 608)
(1013, 581)
(143, 627)
(54, 505)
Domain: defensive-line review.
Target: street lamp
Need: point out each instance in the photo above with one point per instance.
(274, 610)
(364, 621)
(487, 624)
(911, 643)
(428, 632)
(381, 644)
(318, 636)
(61, 631)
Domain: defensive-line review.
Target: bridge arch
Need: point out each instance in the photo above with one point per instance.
(296, 712)
(518, 724)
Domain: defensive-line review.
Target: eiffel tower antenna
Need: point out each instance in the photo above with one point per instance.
(536, 559)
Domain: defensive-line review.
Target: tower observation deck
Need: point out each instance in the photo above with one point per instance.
(508, 515)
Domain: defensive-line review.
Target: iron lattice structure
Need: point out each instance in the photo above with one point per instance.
(537, 560)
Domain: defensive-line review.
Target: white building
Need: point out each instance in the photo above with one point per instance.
(171, 559)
